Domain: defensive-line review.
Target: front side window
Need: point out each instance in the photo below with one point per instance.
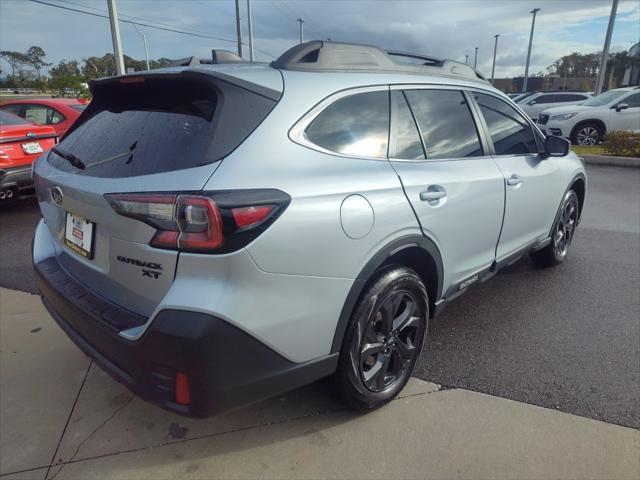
(510, 132)
(448, 129)
(632, 100)
(356, 125)
(545, 99)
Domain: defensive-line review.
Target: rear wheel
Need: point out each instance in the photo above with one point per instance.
(383, 340)
(562, 233)
(587, 134)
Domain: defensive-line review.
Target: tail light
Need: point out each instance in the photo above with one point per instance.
(212, 222)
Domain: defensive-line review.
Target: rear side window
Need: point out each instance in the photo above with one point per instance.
(14, 109)
(572, 98)
(7, 118)
(405, 138)
(510, 132)
(356, 125)
(161, 124)
(448, 129)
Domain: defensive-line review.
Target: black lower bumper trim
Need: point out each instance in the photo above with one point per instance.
(226, 367)
(17, 177)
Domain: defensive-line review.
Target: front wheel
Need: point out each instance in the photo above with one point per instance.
(383, 340)
(587, 134)
(562, 233)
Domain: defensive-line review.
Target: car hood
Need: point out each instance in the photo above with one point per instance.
(567, 109)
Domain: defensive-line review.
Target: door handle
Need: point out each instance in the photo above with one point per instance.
(514, 180)
(432, 195)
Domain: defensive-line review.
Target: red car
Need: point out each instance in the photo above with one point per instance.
(21, 142)
(59, 113)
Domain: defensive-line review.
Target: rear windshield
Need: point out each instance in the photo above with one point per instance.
(10, 119)
(160, 124)
(78, 107)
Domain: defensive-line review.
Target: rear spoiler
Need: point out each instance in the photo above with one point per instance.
(99, 86)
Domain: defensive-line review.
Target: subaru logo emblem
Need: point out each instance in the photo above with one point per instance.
(56, 195)
(30, 135)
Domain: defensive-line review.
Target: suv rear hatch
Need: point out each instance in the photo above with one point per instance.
(157, 132)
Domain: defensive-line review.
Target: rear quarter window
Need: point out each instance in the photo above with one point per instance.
(357, 125)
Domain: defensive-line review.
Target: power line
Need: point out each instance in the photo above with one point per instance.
(143, 23)
(296, 16)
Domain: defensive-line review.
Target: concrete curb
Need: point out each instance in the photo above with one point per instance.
(608, 160)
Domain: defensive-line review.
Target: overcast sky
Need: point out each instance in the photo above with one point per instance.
(446, 28)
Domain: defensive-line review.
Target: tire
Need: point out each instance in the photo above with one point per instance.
(562, 233)
(587, 134)
(383, 340)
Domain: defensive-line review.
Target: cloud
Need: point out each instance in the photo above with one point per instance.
(447, 29)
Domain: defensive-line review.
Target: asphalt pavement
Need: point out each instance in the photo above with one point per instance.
(566, 338)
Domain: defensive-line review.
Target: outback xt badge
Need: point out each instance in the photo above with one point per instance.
(147, 267)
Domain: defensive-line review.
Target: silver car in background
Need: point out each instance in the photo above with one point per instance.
(216, 234)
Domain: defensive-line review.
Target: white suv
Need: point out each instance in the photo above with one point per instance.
(535, 104)
(586, 124)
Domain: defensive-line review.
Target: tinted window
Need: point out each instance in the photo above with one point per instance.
(632, 100)
(10, 119)
(572, 98)
(546, 99)
(405, 137)
(510, 132)
(162, 124)
(355, 125)
(448, 130)
(14, 109)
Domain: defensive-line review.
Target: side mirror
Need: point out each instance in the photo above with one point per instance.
(532, 102)
(556, 146)
(621, 106)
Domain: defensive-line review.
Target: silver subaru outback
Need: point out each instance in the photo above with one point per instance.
(217, 234)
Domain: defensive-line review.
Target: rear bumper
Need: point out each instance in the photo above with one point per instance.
(16, 177)
(225, 366)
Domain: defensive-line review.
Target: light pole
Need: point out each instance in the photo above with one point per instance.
(466, 59)
(144, 39)
(526, 68)
(605, 51)
(250, 30)
(475, 60)
(301, 22)
(115, 36)
(238, 28)
(495, 49)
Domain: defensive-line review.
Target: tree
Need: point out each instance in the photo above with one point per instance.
(66, 75)
(36, 59)
(16, 60)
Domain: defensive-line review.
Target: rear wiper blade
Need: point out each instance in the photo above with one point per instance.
(70, 157)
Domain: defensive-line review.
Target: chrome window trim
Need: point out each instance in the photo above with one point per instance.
(298, 135)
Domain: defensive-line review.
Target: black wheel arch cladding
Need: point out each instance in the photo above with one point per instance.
(381, 258)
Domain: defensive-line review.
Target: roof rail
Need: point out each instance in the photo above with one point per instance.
(353, 57)
(217, 57)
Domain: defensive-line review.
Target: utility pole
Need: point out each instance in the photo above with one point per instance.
(238, 28)
(495, 49)
(466, 59)
(115, 36)
(250, 30)
(605, 50)
(526, 68)
(144, 39)
(475, 60)
(301, 22)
